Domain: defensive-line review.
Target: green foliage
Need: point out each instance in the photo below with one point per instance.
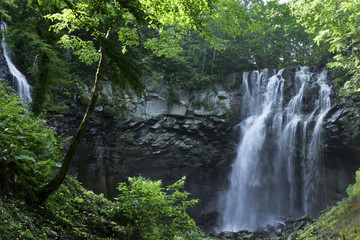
(154, 212)
(71, 213)
(335, 25)
(342, 221)
(354, 189)
(4, 14)
(278, 40)
(86, 25)
(29, 148)
(250, 34)
(36, 55)
(254, 36)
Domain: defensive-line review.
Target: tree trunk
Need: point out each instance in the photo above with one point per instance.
(51, 187)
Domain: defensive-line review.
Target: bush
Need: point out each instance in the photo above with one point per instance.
(153, 212)
(72, 212)
(29, 150)
(354, 189)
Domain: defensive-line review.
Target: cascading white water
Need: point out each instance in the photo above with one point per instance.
(21, 84)
(277, 172)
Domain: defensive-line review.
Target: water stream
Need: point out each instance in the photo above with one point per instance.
(277, 172)
(21, 85)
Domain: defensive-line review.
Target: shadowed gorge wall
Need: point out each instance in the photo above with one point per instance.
(195, 137)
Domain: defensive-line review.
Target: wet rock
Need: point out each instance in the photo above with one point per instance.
(4, 69)
(196, 137)
(155, 107)
(292, 236)
(286, 231)
(178, 110)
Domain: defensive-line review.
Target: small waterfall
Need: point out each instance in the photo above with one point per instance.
(277, 172)
(21, 84)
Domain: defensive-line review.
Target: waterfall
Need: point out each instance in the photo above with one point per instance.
(21, 84)
(277, 171)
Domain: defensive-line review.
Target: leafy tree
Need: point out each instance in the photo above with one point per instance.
(4, 14)
(154, 212)
(92, 25)
(334, 25)
(270, 38)
(277, 39)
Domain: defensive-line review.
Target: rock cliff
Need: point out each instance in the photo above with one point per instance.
(167, 134)
(192, 137)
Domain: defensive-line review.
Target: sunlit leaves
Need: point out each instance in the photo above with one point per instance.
(230, 17)
(167, 44)
(72, 21)
(84, 49)
(97, 17)
(155, 212)
(324, 34)
(128, 37)
(336, 25)
(28, 147)
(183, 13)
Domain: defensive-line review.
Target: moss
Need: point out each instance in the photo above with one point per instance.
(341, 222)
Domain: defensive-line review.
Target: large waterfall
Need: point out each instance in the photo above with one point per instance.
(21, 84)
(278, 170)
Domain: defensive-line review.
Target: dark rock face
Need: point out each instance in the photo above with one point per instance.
(161, 141)
(342, 141)
(193, 136)
(4, 70)
(168, 142)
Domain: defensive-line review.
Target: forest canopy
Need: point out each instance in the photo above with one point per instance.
(236, 36)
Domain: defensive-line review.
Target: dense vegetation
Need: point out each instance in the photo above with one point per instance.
(29, 149)
(267, 34)
(188, 46)
(76, 213)
(334, 26)
(342, 221)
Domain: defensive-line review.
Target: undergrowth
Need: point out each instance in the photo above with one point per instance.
(71, 213)
(342, 221)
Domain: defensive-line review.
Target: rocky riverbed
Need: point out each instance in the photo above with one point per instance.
(282, 230)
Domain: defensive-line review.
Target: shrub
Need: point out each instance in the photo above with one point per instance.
(29, 149)
(153, 212)
(354, 189)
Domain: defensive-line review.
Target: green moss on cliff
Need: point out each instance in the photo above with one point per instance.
(342, 221)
